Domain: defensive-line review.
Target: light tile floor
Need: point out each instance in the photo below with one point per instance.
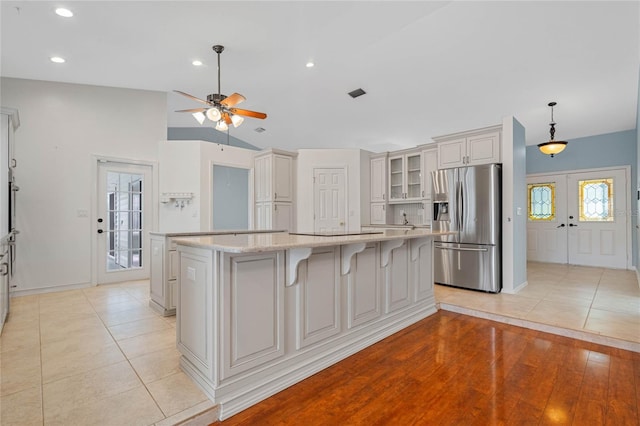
(102, 356)
(92, 356)
(595, 304)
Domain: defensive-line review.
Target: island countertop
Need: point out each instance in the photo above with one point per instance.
(255, 243)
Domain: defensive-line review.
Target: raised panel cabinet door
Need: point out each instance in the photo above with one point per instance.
(423, 268)
(252, 311)
(282, 178)
(397, 280)
(483, 149)
(378, 179)
(263, 215)
(429, 164)
(452, 153)
(378, 214)
(282, 216)
(318, 297)
(260, 178)
(364, 287)
(195, 304)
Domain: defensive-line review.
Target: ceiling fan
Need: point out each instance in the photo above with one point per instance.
(220, 108)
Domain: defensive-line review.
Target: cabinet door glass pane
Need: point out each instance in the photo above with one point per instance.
(596, 200)
(413, 176)
(395, 177)
(542, 199)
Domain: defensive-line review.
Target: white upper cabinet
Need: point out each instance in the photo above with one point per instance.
(273, 177)
(405, 177)
(379, 179)
(469, 148)
(429, 164)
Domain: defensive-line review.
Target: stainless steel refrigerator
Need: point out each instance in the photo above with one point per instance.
(468, 202)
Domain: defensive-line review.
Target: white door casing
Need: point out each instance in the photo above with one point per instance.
(123, 221)
(329, 205)
(570, 239)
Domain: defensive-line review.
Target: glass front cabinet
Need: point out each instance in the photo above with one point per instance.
(405, 177)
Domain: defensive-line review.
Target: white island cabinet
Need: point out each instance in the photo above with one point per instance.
(164, 267)
(257, 313)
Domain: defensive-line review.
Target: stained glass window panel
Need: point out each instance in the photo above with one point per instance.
(542, 201)
(596, 200)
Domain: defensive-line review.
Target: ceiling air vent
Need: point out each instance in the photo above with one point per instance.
(259, 129)
(355, 93)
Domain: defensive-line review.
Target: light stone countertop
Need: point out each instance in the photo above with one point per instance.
(255, 243)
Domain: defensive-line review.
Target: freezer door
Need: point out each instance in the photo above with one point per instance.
(480, 204)
(444, 187)
(476, 267)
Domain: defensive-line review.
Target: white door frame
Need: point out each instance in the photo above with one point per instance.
(346, 193)
(627, 175)
(95, 159)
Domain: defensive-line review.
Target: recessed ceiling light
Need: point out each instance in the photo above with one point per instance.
(310, 64)
(57, 60)
(196, 63)
(65, 13)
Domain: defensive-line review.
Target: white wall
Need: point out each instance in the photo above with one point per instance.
(187, 166)
(308, 160)
(62, 127)
(514, 206)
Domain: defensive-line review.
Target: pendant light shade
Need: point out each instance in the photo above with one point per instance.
(552, 147)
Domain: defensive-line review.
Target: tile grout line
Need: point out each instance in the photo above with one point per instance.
(129, 361)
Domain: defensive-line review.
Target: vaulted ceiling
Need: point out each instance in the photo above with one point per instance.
(428, 68)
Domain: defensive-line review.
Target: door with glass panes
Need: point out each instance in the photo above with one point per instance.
(580, 218)
(123, 221)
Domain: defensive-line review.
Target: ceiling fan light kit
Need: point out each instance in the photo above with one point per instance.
(219, 107)
(552, 147)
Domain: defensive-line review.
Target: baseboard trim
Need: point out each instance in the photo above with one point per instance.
(52, 289)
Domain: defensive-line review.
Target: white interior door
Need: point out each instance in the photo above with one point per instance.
(580, 218)
(546, 223)
(597, 219)
(123, 221)
(329, 200)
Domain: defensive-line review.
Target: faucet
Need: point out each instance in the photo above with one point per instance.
(404, 217)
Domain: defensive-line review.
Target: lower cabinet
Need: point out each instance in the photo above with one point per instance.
(252, 311)
(318, 297)
(274, 216)
(364, 287)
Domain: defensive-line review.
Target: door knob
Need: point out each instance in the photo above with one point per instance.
(560, 226)
(100, 231)
(572, 225)
(99, 220)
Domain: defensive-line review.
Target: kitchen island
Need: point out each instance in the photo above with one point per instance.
(257, 313)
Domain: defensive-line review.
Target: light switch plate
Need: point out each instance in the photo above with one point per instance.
(191, 273)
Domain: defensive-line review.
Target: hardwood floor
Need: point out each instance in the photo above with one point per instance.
(452, 369)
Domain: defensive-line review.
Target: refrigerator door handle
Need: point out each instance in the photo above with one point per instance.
(461, 248)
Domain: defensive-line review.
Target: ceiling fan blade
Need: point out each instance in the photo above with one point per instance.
(226, 117)
(192, 110)
(232, 100)
(247, 113)
(192, 97)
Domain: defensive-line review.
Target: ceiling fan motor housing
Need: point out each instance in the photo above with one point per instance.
(216, 98)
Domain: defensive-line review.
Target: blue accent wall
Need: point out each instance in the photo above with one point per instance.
(208, 134)
(592, 152)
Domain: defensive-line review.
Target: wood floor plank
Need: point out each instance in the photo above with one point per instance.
(450, 369)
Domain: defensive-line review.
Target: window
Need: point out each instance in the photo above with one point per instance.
(596, 200)
(542, 201)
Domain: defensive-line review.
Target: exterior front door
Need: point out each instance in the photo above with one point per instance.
(329, 200)
(580, 218)
(123, 221)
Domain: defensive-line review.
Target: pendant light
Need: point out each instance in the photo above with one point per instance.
(552, 147)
